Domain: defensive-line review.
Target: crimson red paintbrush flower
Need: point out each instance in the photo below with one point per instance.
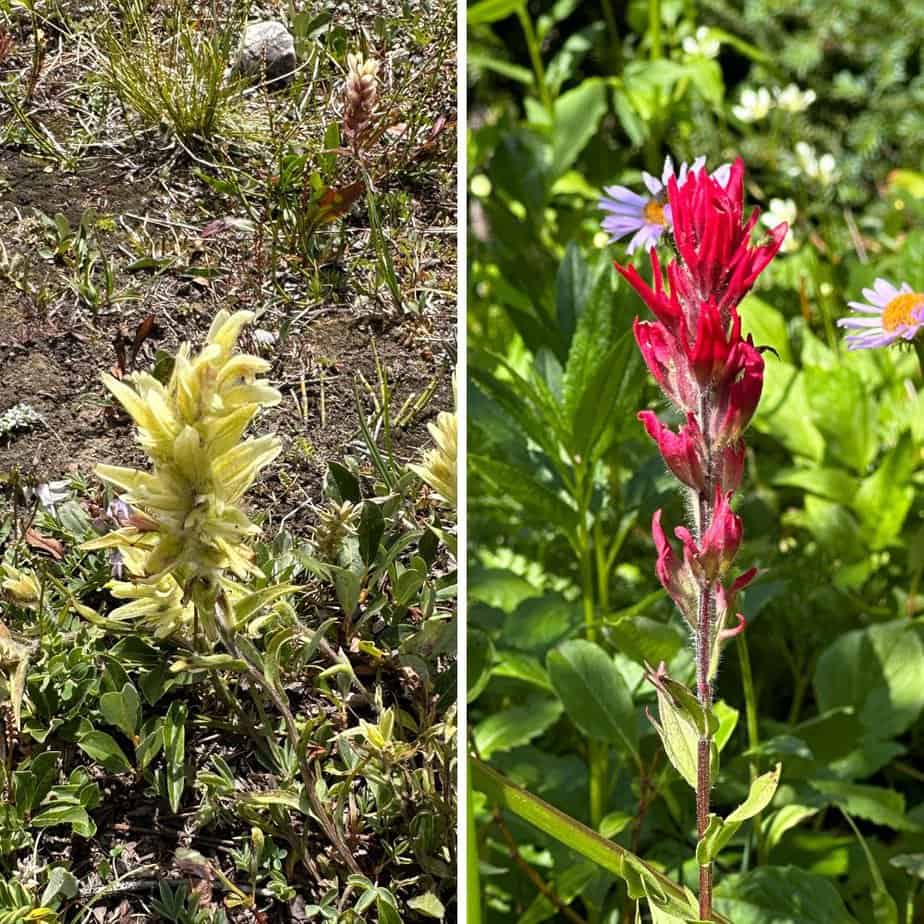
(714, 376)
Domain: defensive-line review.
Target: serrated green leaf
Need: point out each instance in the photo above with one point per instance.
(780, 895)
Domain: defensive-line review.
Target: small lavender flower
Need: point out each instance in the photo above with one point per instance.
(889, 314)
(648, 216)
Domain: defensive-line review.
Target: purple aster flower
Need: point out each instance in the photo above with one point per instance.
(889, 314)
(649, 215)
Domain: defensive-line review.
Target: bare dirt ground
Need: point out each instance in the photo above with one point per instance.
(328, 331)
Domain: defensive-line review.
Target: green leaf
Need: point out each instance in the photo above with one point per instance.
(386, 910)
(594, 692)
(62, 883)
(520, 399)
(844, 412)
(718, 832)
(151, 742)
(175, 753)
(66, 814)
(105, 750)
(873, 803)
(271, 797)
(487, 11)
(347, 483)
(780, 822)
(682, 724)
(705, 76)
(523, 667)
(780, 895)
(727, 717)
(252, 603)
(349, 585)
(478, 61)
(480, 662)
(647, 640)
(671, 898)
(429, 905)
(122, 709)
(767, 326)
(371, 529)
(833, 484)
(911, 863)
(539, 502)
(510, 728)
(885, 496)
(540, 623)
(33, 783)
(499, 588)
(761, 792)
(567, 886)
(572, 286)
(784, 411)
(577, 113)
(885, 911)
(610, 395)
(878, 672)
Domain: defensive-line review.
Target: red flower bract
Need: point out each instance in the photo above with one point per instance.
(695, 351)
(713, 240)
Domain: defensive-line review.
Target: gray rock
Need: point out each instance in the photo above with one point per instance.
(267, 51)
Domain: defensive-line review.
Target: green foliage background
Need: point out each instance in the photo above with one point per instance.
(564, 607)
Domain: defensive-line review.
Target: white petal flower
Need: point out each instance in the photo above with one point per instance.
(827, 169)
(754, 106)
(782, 210)
(702, 44)
(823, 169)
(792, 99)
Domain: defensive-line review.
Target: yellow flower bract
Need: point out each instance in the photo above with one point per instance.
(20, 586)
(438, 467)
(192, 430)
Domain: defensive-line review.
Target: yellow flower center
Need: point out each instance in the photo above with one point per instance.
(898, 313)
(654, 212)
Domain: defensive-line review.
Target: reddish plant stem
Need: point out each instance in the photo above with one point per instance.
(703, 683)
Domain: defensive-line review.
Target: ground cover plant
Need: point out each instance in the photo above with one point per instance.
(590, 720)
(227, 461)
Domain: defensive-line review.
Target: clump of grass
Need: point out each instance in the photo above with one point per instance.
(180, 83)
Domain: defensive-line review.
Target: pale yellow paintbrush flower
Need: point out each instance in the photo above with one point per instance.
(194, 528)
(438, 466)
(20, 587)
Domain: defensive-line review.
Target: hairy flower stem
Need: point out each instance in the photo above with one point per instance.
(703, 667)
